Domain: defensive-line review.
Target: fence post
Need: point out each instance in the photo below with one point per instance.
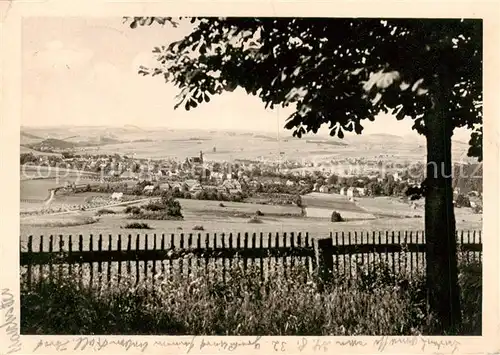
(324, 261)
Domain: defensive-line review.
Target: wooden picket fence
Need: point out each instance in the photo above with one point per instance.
(107, 259)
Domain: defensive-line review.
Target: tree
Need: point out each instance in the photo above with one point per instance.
(340, 72)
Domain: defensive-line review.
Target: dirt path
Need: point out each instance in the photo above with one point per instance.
(100, 207)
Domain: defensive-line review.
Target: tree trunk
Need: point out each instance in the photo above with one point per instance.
(440, 230)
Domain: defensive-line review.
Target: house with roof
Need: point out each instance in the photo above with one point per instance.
(117, 196)
(396, 176)
(148, 189)
(196, 160)
(176, 185)
(350, 192)
(195, 188)
(165, 186)
(129, 175)
(231, 185)
(356, 192)
(324, 189)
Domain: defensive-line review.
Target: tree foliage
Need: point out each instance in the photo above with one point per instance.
(371, 66)
(340, 72)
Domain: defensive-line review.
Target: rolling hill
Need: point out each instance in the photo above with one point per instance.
(230, 145)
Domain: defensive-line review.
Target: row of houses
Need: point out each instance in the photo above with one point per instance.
(349, 192)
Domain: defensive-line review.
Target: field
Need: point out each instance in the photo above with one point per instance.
(37, 189)
(36, 181)
(234, 218)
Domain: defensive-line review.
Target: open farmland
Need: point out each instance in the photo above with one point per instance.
(237, 209)
(330, 201)
(321, 205)
(232, 219)
(37, 189)
(35, 182)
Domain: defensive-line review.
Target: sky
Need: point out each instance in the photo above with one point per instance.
(83, 71)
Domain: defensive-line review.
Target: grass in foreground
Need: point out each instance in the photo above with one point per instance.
(379, 304)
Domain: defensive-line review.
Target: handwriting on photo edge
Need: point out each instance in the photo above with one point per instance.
(99, 343)
(10, 325)
(195, 343)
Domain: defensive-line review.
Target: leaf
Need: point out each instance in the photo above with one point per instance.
(400, 115)
(290, 124)
(358, 128)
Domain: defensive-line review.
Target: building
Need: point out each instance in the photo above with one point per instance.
(148, 189)
(195, 188)
(165, 186)
(232, 185)
(177, 185)
(324, 189)
(197, 160)
(117, 196)
(128, 175)
(355, 192)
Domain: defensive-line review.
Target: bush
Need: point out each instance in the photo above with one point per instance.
(137, 225)
(336, 217)
(166, 208)
(154, 206)
(132, 210)
(104, 211)
(255, 220)
(222, 205)
(462, 201)
(259, 213)
(155, 215)
(198, 228)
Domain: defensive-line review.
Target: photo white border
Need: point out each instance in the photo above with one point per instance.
(11, 14)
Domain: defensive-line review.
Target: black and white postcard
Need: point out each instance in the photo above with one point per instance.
(241, 178)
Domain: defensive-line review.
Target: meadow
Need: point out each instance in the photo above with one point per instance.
(379, 302)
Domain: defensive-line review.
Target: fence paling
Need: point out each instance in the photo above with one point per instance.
(119, 247)
(181, 263)
(261, 260)
(99, 263)
(170, 261)
(137, 266)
